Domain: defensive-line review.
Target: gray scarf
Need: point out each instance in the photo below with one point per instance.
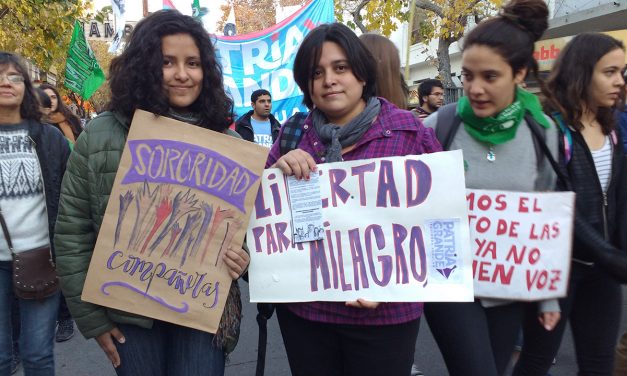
(186, 117)
(336, 137)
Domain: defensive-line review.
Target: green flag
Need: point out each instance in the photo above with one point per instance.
(83, 74)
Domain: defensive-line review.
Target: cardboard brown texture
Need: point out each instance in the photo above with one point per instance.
(181, 196)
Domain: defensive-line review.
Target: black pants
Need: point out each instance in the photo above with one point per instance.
(315, 348)
(593, 307)
(474, 340)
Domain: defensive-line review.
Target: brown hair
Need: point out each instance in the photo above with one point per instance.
(569, 82)
(390, 81)
(513, 32)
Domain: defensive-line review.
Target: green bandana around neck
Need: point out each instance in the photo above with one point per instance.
(501, 128)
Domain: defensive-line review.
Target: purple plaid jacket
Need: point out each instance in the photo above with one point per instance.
(394, 132)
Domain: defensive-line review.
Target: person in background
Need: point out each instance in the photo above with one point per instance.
(44, 108)
(622, 116)
(337, 75)
(68, 123)
(495, 134)
(32, 170)
(582, 94)
(431, 97)
(388, 63)
(45, 103)
(58, 115)
(259, 125)
(168, 67)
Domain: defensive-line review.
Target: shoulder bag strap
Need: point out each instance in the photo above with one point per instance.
(5, 229)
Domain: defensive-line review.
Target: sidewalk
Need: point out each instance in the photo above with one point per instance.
(79, 357)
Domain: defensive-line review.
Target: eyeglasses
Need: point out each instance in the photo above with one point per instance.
(12, 78)
(437, 94)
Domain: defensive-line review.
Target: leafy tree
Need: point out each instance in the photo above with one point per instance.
(39, 30)
(444, 20)
(253, 15)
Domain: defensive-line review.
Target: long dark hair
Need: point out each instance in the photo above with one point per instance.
(29, 109)
(512, 34)
(360, 59)
(569, 82)
(74, 121)
(136, 76)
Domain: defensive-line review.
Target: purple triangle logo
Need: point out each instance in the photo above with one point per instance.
(447, 272)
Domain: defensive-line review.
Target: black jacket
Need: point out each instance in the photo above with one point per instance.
(53, 151)
(245, 129)
(600, 218)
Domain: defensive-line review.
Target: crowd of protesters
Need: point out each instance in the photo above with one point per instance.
(57, 182)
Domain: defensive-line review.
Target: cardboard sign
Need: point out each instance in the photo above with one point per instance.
(394, 230)
(181, 196)
(521, 243)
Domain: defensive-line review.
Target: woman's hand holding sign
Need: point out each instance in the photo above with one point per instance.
(361, 303)
(107, 344)
(237, 260)
(298, 163)
(549, 319)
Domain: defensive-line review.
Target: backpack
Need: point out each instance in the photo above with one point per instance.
(448, 125)
(291, 135)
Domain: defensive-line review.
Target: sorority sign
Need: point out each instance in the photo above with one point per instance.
(182, 195)
(395, 229)
(521, 243)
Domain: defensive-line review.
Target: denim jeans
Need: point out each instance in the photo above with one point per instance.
(168, 349)
(38, 320)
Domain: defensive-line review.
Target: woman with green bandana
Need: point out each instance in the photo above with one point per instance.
(493, 127)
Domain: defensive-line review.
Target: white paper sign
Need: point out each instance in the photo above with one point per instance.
(304, 199)
(521, 243)
(393, 232)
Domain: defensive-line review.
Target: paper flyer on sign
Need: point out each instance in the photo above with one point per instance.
(304, 198)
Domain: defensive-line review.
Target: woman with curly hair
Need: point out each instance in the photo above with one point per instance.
(169, 68)
(60, 116)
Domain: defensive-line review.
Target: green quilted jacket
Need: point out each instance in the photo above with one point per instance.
(85, 191)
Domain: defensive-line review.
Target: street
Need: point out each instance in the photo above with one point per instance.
(79, 357)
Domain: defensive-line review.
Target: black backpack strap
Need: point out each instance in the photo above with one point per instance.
(539, 136)
(292, 132)
(447, 125)
(537, 141)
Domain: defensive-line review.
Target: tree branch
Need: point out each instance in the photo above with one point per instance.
(3, 12)
(357, 17)
(428, 5)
